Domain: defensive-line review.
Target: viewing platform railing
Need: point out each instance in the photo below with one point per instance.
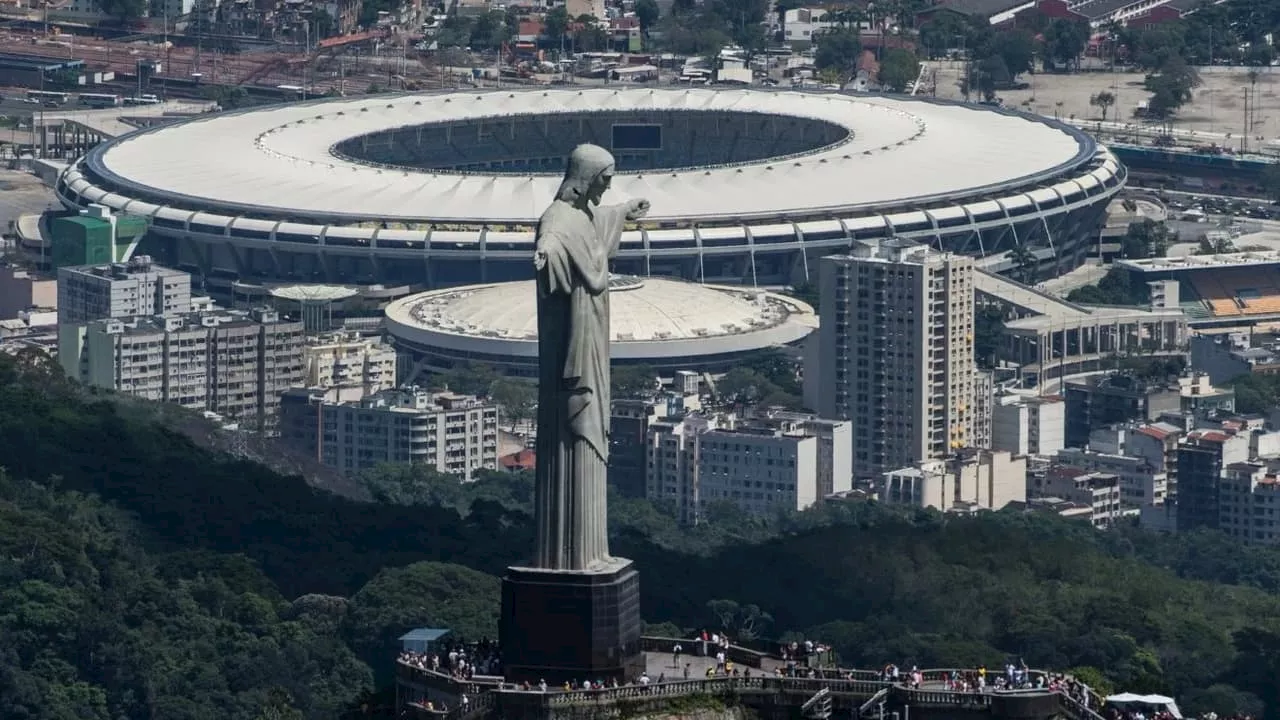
(861, 684)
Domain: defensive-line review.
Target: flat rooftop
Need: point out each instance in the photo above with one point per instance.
(1202, 262)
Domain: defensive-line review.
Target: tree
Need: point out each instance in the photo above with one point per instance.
(1171, 87)
(323, 23)
(986, 76)
(466, 378)
(743, 622)
(228, 97)
(1114, 288)
(647, 14)
(123, 10)
(633, 381)
(1025, 264)
(942, 32)
(516, 399)
(1065, 40)
(1103, 101)
(1017, 48)
(489, 30)
(1147, 239)
(424, 594)
(838, 50)
(899, 69)
(555, 24)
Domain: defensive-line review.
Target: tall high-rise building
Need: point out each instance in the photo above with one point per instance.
(896, 352)
(121, 290)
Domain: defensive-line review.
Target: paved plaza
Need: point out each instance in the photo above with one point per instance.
(658, 664)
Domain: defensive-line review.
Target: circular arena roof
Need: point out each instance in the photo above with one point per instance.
(314, 293)
(281, 162)
(650, 319)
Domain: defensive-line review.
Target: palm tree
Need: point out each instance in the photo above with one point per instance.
(1024, 264)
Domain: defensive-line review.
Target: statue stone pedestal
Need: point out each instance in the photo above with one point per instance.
(569, 626)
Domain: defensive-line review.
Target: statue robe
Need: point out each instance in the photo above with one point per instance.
(573, 385)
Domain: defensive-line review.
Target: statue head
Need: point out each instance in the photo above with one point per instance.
(588, 175)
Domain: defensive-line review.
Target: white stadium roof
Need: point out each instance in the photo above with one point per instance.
(649, 317)
(280, 158)
(314, 293)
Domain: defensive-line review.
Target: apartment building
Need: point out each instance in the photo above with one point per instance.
(1202, 456)
(1103, 400)
(348, 360)
(787, 461)
(761, 470)
(984, 395)
(1141, 482)
(1024, 423)
(970, 479)
(22, 290)
(671, 468)
(1094, 495)
(896, 352)
(1155, 444)
(1249, 503)
(234, 363)
(1227, 356)
(452, 433)
(628, 450)
(137, 288)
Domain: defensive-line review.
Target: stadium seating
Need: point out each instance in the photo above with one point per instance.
(1239, 290)
(1209, 287)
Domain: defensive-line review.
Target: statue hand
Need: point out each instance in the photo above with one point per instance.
(539, 259)
(637, 209)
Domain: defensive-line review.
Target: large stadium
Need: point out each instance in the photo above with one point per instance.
(746, 186)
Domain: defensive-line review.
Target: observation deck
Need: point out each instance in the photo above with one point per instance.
(853, 693)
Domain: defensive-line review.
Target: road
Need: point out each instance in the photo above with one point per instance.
(22, 193)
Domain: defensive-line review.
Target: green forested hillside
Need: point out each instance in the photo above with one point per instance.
(142, 577)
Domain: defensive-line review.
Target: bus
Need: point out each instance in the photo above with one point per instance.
(99, 100)
(47, 96)
(142, 100)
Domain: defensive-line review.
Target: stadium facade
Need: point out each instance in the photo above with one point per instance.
(747, 186)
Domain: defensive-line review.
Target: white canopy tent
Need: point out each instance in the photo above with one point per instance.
(1162, 702)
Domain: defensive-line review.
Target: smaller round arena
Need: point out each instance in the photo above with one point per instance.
(665, 323)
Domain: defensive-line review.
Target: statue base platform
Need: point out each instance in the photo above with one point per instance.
(569, 626)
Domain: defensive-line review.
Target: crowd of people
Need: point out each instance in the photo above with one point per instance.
(462, 661)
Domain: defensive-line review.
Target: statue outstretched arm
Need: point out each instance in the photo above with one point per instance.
(610, 220)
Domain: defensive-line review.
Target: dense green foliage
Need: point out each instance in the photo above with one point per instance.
(173, 596)
(1256, 393)
(1115, 288)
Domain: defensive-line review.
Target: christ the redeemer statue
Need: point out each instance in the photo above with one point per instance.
(576, 239)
